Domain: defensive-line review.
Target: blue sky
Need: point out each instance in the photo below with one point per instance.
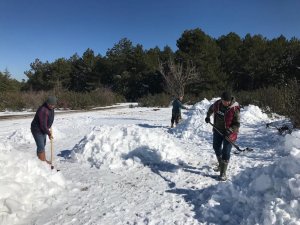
(52, 29)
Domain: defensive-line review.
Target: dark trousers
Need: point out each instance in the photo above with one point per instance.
(40, 140)
(175, 118)
(221, 151)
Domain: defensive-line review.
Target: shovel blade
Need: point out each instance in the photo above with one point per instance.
(238, 151)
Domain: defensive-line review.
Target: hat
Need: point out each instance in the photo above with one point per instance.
(51, 100)
(226, 96)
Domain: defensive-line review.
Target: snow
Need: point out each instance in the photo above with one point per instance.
(126, 166)
(120, 146)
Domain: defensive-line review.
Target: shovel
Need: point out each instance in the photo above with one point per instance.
(239, 150)
(284, 129)
(51, 144)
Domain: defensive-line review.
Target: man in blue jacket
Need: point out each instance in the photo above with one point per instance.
(40, 126)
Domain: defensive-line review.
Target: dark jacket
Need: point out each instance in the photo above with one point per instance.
(177, 106)
(42, 120)
(226, 117)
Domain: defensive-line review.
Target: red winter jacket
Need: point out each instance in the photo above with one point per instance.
(226, 117)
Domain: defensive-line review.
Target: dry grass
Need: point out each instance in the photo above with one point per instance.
(18, 101)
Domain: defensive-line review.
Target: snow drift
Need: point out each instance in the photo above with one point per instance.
(119, 146)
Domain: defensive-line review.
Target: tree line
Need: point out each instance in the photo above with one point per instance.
(229, 62)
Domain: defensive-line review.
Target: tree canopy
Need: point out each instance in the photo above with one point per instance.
(229, 62)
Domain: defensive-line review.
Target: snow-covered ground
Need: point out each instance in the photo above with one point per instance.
(126, 166)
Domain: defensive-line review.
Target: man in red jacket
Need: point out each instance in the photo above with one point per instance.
(227, 120)
(40, 126)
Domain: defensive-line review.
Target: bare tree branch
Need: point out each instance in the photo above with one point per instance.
(176, 76)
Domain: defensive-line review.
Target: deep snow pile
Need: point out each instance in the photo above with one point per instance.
(119, 146)
(265, 195)
(272, 192)
(27, 186)
(194, 128)
(264, 185)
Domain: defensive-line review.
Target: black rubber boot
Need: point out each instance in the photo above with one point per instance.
(217, 168)
(223, 169)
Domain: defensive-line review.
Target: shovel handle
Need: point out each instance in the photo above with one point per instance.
(227, 138)
(51, 144)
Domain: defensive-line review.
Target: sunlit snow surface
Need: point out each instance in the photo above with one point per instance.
(126, 166)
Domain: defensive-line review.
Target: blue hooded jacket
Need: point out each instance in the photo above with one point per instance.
(177, 106)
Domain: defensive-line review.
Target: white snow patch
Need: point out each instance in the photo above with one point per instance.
(119, 146)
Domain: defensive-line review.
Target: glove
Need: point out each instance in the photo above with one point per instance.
(207, 120)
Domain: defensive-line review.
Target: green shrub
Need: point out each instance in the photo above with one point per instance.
(17, 101)
(283, 100)
(11, 101)
(99, 97)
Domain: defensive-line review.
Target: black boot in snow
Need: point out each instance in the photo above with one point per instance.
(217, 168)
(223, 169)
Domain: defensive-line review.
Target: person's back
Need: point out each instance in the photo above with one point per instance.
(176, 110)
(177, 105)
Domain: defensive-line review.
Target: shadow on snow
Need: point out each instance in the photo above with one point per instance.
(150, 158)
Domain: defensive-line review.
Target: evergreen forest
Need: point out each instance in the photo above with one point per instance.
(255, 69)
